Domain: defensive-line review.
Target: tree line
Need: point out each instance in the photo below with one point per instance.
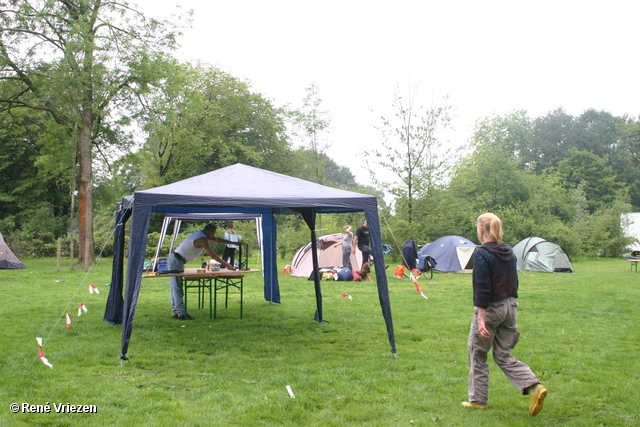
(93, 107)
(566, 178)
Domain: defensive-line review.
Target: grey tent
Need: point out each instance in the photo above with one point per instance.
(538, 254)
(8, 260)
(236, 189)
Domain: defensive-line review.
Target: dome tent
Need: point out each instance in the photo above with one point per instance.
(538, 254)
(7, 258)
(329, 252)
(451, 253)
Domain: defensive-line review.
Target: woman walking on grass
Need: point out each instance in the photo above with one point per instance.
(495, 289)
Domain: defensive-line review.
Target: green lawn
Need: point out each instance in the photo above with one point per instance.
(579, 335)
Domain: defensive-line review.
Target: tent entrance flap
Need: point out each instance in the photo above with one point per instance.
(464, 256)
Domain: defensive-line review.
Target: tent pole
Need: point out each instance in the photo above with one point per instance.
(316, 275)
(176, 230)
(309, 216)
(163, 232)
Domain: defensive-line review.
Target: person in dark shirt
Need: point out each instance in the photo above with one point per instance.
(361, 241)
(495, 289)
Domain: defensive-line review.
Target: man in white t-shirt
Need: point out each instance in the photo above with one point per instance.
(190, 249)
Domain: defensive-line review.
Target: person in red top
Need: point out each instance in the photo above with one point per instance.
(495, 289)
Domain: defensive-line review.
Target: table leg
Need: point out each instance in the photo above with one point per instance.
(210, 290)
(184, 293)
(226, 294)
(215, 297)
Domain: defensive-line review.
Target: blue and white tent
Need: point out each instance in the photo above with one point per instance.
(451, 253)
(236, 189)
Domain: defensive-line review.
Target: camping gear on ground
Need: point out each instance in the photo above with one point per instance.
(538, 254)
(330, 275)
(428, 265)
(410, 255)
(243, 189)
(451, 254)
(344, 274)
(329, 250)
(8, 260)
(399, 271)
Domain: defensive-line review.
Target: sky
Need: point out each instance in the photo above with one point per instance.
(487, 57)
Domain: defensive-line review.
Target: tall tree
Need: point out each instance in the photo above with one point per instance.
(412, 150)
(334, 174)
(553, 136)
(24, 185)
(626, 161)
(598, 133)
(592, 173)
(310, 123)
(82, 62)
(204, 118)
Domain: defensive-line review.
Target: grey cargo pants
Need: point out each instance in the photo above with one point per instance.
(501, 322)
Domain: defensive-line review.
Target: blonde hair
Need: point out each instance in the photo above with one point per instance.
(346, 227)
(491, 227)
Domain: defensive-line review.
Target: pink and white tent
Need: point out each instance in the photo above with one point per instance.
(329, 249)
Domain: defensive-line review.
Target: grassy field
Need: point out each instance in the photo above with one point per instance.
(579, 335)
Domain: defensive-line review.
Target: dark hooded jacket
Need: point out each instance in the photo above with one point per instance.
(495, 274)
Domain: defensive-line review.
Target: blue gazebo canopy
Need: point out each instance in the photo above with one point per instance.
(236, 189)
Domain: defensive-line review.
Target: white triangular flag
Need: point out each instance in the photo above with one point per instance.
(41, 353)
(81, 309)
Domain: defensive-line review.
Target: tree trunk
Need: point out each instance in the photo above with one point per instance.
(86, 254)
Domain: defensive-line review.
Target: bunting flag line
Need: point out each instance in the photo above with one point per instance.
(92, 289)
(81, 309)
(347, 296)
(415, 281)
(41, 353)
(68, 321)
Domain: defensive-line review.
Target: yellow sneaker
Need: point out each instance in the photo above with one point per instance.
(537, 393)
(474, 405)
